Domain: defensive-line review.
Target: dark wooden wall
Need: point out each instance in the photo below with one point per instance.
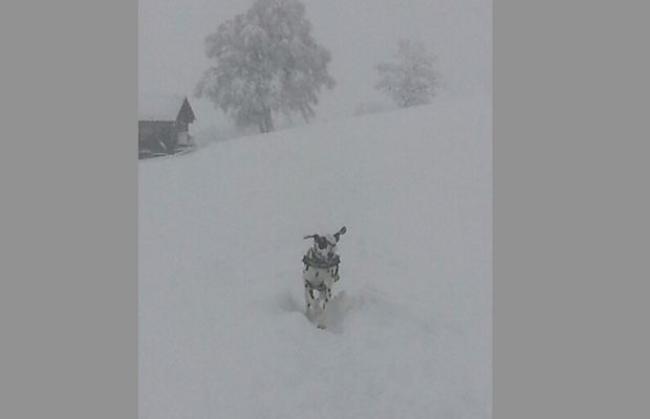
(156, 136)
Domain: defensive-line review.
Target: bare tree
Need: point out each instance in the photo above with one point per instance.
(411, 80)
(266, 62)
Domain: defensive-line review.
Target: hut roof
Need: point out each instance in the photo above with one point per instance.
(157, 107)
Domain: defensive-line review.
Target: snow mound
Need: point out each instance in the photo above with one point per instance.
(222, 329)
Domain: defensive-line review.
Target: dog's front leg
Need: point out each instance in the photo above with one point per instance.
(309, 297)
(320, 319)
(323, 299)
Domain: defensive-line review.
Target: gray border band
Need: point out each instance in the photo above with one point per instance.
(571, 209)
(69, 195)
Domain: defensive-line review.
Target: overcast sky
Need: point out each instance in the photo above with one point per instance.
(359, 33)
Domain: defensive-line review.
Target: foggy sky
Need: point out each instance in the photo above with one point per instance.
(359, 34)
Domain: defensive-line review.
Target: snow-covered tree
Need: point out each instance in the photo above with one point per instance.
(411, 80)
(266, 62)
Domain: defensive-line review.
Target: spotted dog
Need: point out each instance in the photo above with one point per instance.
(320, 273)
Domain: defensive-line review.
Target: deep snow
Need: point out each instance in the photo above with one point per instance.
(222, 332)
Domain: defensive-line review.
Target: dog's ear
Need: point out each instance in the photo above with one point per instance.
(341, 232)
(316, 237)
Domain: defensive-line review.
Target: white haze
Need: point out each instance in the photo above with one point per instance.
(359, 34)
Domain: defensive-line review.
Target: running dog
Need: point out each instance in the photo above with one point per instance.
(320, 273)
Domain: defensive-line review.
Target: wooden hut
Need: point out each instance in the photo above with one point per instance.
(163, 126)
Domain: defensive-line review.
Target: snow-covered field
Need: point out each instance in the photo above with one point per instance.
(222, 333)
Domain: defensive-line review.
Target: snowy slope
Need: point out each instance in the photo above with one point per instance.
(222, 332)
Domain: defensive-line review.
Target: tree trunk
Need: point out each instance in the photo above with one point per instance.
(268, 119)
(266, 124)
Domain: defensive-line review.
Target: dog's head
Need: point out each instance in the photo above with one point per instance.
(325, 246)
